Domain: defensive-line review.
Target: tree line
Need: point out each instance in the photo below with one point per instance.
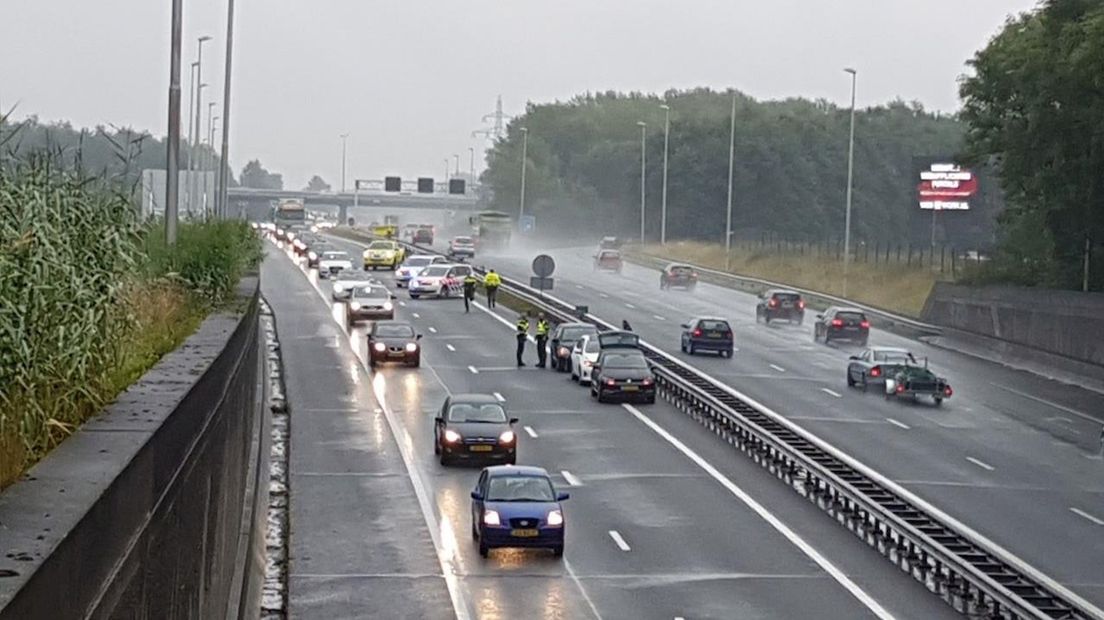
(789, 180)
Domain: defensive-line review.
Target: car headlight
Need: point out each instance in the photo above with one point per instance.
(563, 351)
(490, 517)
(339, 288)
(312, 256)
(380, 347)
(388, 306)
(367, 254)
(452, 436)
(555, 517)
(587, 363)
(506, 437)
(411, 347)
(355, 305)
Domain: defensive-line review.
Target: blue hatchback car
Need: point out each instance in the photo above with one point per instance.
(517, 507)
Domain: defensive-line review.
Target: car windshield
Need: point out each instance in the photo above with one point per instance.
(489, 413)
(335, 256)
(394, 331)
(714, 326)
(370, 292)
(520, 489)
(575, 333)
(354, 276)
(624, 360)
(418, 261)
(894, 357)
(435, 272)
(462, 241)
(381, 245)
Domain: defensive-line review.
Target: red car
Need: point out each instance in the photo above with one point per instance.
(607, 260)
(683, 276)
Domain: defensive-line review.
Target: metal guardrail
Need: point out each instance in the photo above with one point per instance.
(728, 279)
(963, 568)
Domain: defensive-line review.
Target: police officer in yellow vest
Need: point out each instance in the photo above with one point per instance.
(522, 334)
(469, 290)
(542, 340)
(491, 282)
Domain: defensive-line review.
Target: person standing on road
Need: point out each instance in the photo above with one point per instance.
(522, 335)
(542, 340)
(491, 282)
(469, 290)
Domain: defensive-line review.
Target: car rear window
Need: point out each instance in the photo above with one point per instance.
(575, 333)
(714, 326)
(462, 241)
(787, 296)
(681, 270)
(624, 360)
(851, 316)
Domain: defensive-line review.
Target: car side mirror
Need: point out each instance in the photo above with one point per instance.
(820, 316)
(561, 496)
(476, 495)
(394, 296)
(513, 420)
(439, 420)
(418, 337)
(685, 326)
(854, 357)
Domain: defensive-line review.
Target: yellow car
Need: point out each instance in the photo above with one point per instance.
(384, 254)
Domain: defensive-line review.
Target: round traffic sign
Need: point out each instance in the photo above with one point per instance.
(543, 265)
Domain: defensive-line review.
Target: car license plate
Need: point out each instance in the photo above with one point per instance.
(787, 304)
(714, 334)
(630, 388)
(480, 448)
(526, 533)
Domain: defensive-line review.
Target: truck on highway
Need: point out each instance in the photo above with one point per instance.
(289, 212)
(492, 229)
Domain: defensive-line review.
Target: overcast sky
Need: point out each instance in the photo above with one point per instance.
(411, 79)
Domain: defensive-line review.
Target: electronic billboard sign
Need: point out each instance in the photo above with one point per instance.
(946, 186)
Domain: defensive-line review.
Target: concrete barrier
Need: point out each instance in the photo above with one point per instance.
(150, 510)
(1069, 324)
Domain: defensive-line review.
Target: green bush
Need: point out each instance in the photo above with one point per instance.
(209, 257)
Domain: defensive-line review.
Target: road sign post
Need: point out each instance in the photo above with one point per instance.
(543, 266)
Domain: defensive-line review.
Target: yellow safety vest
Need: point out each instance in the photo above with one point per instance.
(523, 326)
(492, 279)
(542, 328)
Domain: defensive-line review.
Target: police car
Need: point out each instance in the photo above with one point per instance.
(439, 280)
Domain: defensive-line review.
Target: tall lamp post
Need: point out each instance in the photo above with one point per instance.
(731, 165)
(172, 162)
(850, 171)
(663, 207)
(221, 207)
(471, 179)
(643, 171)
(344, 139)
(191, 123)
(204, 155)
(193, 185)
(456, 156)
(524, 158)
(217, 169)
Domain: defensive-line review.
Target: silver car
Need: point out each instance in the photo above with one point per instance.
(344, 282)
(413, 265)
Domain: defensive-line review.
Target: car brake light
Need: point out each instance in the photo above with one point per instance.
(773, 302)
(947, 391)
(693, 274)
(876, 371)
(800, 304)
(611, 382)
(900, 388)
(697, 333)
(649, 382)
(865, 324)
(837, 322)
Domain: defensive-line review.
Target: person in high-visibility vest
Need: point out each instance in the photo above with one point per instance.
(542, 340)
(491, 282)
(469, 290)
(522, 335)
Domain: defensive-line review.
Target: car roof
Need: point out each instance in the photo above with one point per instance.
(473, 397)
(890, 350)
(580, 324)
(711, 318)
(495, 471)
(430, 256)
(850, 309)
(673, 265)
(783, 291)
(390, 323)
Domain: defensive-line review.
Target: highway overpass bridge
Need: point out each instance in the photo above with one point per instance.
(257, 202)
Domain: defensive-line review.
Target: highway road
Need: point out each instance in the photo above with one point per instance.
(1013, 455)
(664, 520)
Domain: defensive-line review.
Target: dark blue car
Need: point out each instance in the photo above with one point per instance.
(517, 507)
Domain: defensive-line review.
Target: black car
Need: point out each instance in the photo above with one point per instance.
(394, 341)
(424, 236)
(315, 251)
(678, 275)
(563, 340)
(622, 373)
(780, 305)
(876, 364)
(707, 334)
(842, 324)
(474, 427)
(370, 302)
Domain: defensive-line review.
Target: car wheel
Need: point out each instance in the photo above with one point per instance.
(475, 530)
(600, 396)
(728, 353)
(690, 349)
(417, 363)
(483, 549)
(436, 445)
(651, 400)
(512, 460)
(415, 295)
(444, 458)
(850, 379)
(766, 318)
(371, 362)
(444, 292)
(558, 551)
(938, 401)
(574, 377)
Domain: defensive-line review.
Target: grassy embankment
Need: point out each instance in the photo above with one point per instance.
(90, 299)
(895, 287)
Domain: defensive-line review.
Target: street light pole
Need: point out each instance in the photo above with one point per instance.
(524, 156)
(456, 156)
(204, 154)
(172, 163)
(344, 138)
(850, 171)
(216, 170)
(221, 207)
(193, 185)
(663, 207)
(448, 174)
(643, 171)
(191, 110)
(471, 179)
(731, 165)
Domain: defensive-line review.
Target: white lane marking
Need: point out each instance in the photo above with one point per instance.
(1083, 416)
(450, 347)
(474, 370)
(500, 319)
(629, 306)
(778, 368)
(658, 318)
(579, 584)
(981, 464)
(433, 330)
(767, 516)
(415, 315)
(579, 286)
(603, 295)
(1082, 513)
(532, 433)
(571, 479)
(831, 392)
(499, 397)
(619, 541)
(402, 303)
(898, 424)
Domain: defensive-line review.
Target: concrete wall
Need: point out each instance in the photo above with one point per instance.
(148, 511)
(1065, 323)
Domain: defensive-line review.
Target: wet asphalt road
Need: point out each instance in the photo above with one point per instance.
(380, 529)
(1013, 455)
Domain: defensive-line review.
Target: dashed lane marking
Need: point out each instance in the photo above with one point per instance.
(450, 347)
(898, 424)
(619, 540)
(778, 368)
(415, 315)
(499, 397)
(1082, 513)
(831, 392)
(658, 318)
(571, 479)
(433, 330)
(629, 306)
(532, 433)
(474, 370)
(981, 464)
